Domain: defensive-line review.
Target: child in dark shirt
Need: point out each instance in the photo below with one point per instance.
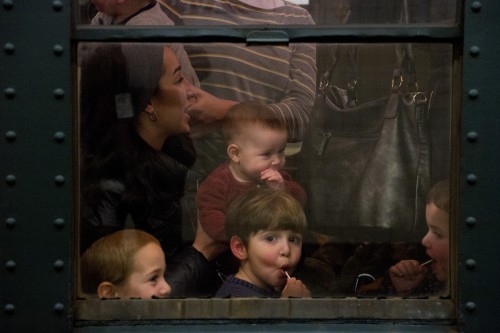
(265, 228)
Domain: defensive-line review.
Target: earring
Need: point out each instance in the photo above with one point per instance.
(152, 116)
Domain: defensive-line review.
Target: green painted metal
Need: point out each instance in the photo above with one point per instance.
(479, 294)
(37, 177)
(36, 180)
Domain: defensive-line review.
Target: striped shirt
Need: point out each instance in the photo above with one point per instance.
(284, 77)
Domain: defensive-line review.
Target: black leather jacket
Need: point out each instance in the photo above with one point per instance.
(157, 211)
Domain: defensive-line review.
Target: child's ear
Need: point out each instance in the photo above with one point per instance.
(233, 151)
(106, 290)
(238, 248)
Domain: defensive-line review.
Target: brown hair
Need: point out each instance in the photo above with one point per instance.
(111, 258)
(264, 209)
(439, 195)
(245, 114)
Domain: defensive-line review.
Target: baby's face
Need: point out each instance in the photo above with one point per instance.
(260, 149)
(437, 240)
(147, 276)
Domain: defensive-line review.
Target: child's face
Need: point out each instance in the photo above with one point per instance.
(172, 99)
(437, 240)
(147, 276)
(259, 149)
(269, 254)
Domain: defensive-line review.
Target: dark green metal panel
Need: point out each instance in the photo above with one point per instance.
(480, 196)
(35, 170)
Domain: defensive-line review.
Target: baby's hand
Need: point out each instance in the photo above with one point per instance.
(273, 179)
(406, 275)
(295, 288)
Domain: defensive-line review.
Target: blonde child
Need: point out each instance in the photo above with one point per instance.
(126, 264)
(265, 228)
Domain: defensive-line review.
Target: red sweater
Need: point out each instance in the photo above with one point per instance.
(220, 189)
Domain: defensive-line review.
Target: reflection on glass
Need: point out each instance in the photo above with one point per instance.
(366, 138)
(270, 12)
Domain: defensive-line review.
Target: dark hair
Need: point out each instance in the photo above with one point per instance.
(243, 114)
(111, 148)
(264, 209)
(439, 195)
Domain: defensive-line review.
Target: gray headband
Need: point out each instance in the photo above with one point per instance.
(145, 68)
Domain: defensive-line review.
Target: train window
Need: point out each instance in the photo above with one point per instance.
(322, 12)
(358, 135)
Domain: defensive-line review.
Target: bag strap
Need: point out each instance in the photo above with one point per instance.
(404, 76)
(404, 73)
(327, 77)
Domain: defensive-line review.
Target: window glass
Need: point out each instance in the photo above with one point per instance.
(363, 135)
(270, 12)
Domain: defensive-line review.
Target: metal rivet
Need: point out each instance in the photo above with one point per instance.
(8, 4)
(472, 136)
(57, 5)
(470, 306)
(470, 264)
(59, 308)
(59, 223)
(10, 180)
(10, 136)
(59, 137)
(474, 50)
(59, 180)
(476, 6)
(10, 92)
(471, 179)
(9, 48)
(59, 93)
(471, 221)
(10, 265)
(9, 309)
(58, 50)
(10, 222)
(59, 265)
(473, 93)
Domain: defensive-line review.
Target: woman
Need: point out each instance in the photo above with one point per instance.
(135, 151)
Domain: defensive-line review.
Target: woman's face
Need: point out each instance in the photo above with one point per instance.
(172, 99)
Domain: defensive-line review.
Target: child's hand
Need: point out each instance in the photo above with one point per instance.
(295, 288)
(273, 179)
(406, 275)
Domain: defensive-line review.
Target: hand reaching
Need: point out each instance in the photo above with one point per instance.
(206, 111)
